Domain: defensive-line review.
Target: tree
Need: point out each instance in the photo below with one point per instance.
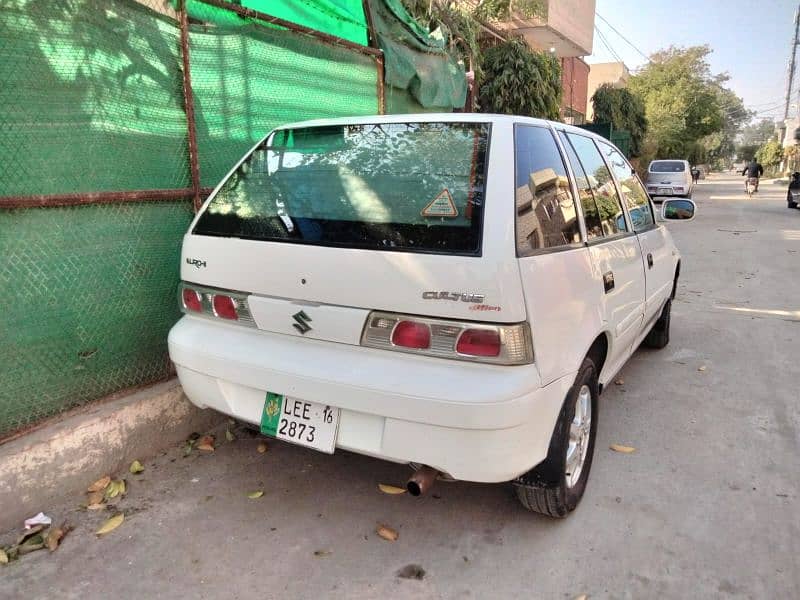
(720, 146)
(758, 133)
(519, 81)
(770, 153)
(681, 98)
(746, 152)
(623, 110)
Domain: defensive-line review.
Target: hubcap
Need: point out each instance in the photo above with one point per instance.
(579, 435)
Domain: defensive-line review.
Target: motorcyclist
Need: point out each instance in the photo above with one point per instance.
(793, 194)
(753, 170)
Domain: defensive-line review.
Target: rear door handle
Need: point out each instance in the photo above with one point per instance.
(649, 260)
(608, 281)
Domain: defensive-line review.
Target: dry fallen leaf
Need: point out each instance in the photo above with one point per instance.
(622, 449)
(206, 443)
(620, 381)
(229, 436)
(115, 488)
(96, 506)
(100, 484)
(390, 489)
(53, 537)
(387, 533)
(262, 447)
(322, 552)
(32, 544)
(111, 524)
(136, 467)
(256, 494)
(703, 368)
(29, 533)
(95, 497)
(3, 557)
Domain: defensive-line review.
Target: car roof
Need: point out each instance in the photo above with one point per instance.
(440, 118)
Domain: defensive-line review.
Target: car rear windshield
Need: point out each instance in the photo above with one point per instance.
(388, 186)
(668, 166)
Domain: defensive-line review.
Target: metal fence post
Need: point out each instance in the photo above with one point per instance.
(188, 101)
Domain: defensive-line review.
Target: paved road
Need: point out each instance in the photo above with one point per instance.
(707, 506)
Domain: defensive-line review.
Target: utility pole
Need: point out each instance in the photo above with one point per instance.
(792, 52)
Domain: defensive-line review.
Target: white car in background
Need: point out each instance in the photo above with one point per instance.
(447, 291)
(669, 178)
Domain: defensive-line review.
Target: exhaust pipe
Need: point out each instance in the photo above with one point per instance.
(422, 480)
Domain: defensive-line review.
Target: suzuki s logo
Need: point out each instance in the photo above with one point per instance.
(196, 262)
(302, 320)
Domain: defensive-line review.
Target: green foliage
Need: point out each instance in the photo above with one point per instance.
(720, 146)
(770, 153)
(746, 151)
(623, 110)
(462, 23)
(758, 133)
(683, 101)
(519, 81)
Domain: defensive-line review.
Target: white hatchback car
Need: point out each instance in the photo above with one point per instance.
(668, 178)
(447, 291)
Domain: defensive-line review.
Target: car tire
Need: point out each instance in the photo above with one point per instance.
(549, 488)
(792, 204)
(658, 337)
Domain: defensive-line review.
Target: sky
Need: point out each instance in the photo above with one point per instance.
(751, 41)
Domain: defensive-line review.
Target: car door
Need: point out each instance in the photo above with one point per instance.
(555, 265)
(614, 248)
(658, 261)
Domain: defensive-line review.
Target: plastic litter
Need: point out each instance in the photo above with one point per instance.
(40, 519)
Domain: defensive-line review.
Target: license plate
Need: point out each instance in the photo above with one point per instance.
(300, 422)
(665, 191)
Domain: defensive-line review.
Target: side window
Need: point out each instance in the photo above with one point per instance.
(630, 188)
(609, 207)
(546, 216)
(591, 216)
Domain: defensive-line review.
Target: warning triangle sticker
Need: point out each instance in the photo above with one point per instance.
(441, 206)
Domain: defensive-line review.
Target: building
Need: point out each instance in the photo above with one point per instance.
(613, 73)
(565, 28)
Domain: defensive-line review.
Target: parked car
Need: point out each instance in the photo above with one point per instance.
(448, 291)
(669, 178)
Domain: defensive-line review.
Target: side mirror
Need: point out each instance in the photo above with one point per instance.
(678, 209)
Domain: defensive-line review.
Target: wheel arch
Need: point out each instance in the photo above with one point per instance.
(598, 352)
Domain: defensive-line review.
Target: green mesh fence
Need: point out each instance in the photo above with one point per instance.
(248, 80)
(88, 295)
(91, 100)
(342, 18)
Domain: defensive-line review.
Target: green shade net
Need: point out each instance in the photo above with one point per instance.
(342, 18)
(415, 61)
(89, 295)
(249, 80)
(90, 99)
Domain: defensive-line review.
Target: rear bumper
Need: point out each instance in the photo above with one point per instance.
(476, 422)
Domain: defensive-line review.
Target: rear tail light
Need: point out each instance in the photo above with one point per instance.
(218, 304)
(224, 307)
(479, 342)
(410, 334)
(192, 300)
(460, 340)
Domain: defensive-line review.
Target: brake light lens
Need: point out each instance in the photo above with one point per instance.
(214, 303)
(224, 307)
(479, 342)
(459, 340)
(192, 300)
(410, 334)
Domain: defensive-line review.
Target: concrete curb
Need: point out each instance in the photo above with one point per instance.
(70, 454)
